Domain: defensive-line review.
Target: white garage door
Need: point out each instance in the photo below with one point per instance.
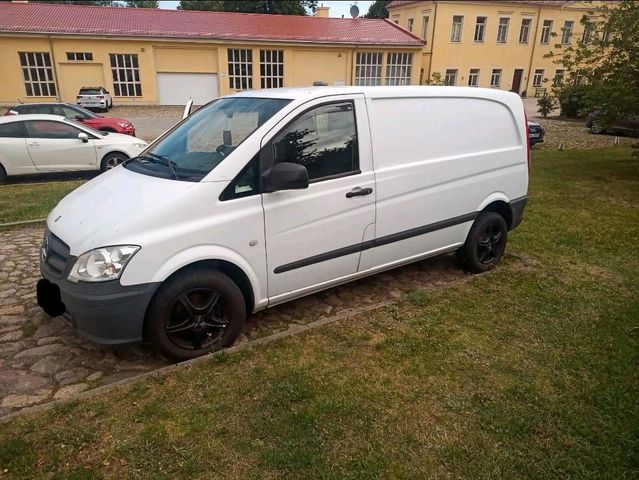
(176, 88)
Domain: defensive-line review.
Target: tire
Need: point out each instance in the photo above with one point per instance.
(112, 160)
(596, 128)
(485, 244)
(198, 311)
(3, 175)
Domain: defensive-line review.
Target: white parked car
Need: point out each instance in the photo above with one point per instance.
(265, 196)
(42, 143)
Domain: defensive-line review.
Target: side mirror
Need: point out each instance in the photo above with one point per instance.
(286, 176)
(83, 136)
(79, 118)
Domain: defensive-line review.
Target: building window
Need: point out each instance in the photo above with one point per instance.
(80, 56)
(495, 77)
(473, 77)
(524, 31)
(480, 29)
(566, 36)
(396, 19)
(559, 77)
(546, 30)
(538, 78)
(456, 30)
(240, 68)
(37, 74)
(450, 78)
(502, 30)
(368, 68)
(586, 38)
(409, 25)
(605, 37)
(581, 77)
(125, 71)
(425, 21)
(398, 68)
(271, 68)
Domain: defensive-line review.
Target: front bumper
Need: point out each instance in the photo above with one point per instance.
(103, 312)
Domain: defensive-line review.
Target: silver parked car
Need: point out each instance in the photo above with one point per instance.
(95, 97)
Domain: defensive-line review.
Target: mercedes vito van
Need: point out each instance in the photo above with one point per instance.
(268, 195)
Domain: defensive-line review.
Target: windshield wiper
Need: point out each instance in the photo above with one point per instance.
(160, 159)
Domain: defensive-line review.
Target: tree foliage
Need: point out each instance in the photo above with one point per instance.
(606, 59)
(378, 9)
(280, 7)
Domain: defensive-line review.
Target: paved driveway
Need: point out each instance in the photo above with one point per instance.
(42, 358)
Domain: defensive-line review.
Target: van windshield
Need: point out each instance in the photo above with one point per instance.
(204, 139)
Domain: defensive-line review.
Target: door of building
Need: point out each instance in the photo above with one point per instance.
(517, 80)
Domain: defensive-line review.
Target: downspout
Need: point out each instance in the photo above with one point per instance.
(430, 64)
(54, 66)
(532, 53)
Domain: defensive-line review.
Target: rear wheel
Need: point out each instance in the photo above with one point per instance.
(3, 174)
(596, 128)
(485, 244)
(195, 312)
(112, 160)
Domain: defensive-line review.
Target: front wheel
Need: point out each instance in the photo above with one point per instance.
(596, 128)
(197, 311)
(3, 175)
(112, 160)
(485, 244)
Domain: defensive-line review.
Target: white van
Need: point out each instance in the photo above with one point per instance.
(265, 196)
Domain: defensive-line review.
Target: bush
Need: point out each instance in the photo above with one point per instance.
(546, 105)
(573, 101)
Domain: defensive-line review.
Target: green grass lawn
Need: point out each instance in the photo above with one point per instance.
(527, 372)
(30, 202)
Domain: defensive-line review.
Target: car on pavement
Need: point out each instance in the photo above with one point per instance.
(629, 126)
(82, 115)
(266, 196)
(38, 143)
(94, 97)
(535, 132)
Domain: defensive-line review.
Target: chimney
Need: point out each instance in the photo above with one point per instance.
(322, 11)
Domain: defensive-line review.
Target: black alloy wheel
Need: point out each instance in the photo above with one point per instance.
(485, 244)
(196, 311)
(197, 319)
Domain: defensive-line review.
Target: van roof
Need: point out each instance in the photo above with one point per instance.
(306, 93)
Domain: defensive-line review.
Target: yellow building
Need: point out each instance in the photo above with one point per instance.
(150, 56)
(498, 44)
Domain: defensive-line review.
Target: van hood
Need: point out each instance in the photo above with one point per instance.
(105, 210)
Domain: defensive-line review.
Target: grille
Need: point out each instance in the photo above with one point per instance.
(55, 254)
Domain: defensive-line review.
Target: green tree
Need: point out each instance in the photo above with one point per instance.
(606, 60)
(281, 7)
(378, 9)
(142, 3)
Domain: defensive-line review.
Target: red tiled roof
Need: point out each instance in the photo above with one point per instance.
(157, 23)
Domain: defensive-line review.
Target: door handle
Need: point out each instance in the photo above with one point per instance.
(359, 192)
(34, 144)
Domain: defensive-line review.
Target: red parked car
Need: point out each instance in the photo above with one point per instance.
(104, 124)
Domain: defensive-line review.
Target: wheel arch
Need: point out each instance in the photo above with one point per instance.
(229, 269)
(500, 204)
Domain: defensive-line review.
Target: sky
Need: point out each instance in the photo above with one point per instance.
(337, 9)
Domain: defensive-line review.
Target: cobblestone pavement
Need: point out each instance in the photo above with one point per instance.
(150, 122)
(41, 358)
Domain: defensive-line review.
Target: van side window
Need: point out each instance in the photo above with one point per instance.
(245, 184)
(324, 140)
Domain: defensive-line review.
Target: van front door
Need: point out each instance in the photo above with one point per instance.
(314, 236)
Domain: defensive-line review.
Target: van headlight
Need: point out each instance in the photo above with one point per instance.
(102, 264)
